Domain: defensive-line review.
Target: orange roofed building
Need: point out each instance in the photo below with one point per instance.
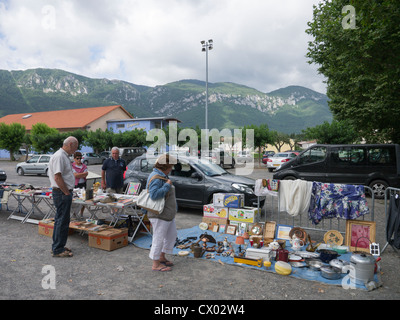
(89, 119)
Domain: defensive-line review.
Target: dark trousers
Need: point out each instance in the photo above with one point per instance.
(61, 221)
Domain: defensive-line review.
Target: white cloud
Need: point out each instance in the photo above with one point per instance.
(258, 43)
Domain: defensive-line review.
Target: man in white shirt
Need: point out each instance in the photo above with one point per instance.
(62, 181)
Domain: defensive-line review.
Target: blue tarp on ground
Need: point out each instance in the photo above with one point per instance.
(144, 241)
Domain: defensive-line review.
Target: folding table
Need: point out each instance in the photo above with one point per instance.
(34, 200)
(125, 206)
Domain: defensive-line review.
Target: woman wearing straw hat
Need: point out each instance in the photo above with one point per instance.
(164, 227)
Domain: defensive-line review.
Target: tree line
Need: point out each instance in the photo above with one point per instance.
(44, 139)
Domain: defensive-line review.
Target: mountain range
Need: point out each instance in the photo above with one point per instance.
(287, 110)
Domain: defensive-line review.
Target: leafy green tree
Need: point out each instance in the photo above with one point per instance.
(99, 140)
(279, 139)
(45, 139)
(262, 136)
(359, 56)
(133, 138)
(337, 132)
(11, 137)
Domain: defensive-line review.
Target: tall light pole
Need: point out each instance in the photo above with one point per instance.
(206, 46)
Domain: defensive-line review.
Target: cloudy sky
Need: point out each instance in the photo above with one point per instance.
(257, 43)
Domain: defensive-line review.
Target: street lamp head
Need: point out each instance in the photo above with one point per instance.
(202, 42)
(210, 41)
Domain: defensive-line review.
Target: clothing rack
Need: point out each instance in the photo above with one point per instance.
(393, 192)
(306, 224)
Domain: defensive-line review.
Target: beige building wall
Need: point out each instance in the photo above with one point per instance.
(101, 123)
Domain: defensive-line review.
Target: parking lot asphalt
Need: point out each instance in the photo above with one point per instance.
(125, 274)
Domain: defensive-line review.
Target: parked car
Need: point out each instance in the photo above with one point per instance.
(373, 165)
(279, 158)
(3, 175)
(296, 152)
(266, 155)
(38, 164)
(89, 158)
(195, 180)
(130, 153)
(244, 156)
(219, 157)
(105, 155)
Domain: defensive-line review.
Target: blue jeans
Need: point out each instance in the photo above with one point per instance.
(61, 222)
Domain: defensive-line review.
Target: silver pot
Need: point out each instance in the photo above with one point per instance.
(339, 265)
(330, 273)
(314, 264)
(362, 267)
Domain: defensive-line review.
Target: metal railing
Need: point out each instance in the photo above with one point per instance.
(392, 192)
(272, 213)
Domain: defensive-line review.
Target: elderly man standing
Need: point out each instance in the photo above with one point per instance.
(62, 181)
(112, 173)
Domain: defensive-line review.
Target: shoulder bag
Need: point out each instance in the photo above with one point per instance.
(144, 201)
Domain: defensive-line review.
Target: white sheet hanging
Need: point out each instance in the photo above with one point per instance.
(294, 196)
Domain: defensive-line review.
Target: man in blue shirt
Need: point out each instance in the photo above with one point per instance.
(112, 173)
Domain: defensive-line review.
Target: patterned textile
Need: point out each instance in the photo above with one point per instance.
(329, 200)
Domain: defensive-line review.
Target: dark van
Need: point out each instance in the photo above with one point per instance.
(130, 153)
(373, 165)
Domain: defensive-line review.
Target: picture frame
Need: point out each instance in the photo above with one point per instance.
(133, 188)
(282, 232)
(222, 228)
(360, 234)
(231, 229)
(215, 228)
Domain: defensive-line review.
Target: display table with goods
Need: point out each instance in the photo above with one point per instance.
(117, 206)
(233, 234)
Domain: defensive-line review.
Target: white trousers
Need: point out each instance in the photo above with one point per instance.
(164, 237)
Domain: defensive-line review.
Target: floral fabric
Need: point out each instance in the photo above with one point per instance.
(329, 200)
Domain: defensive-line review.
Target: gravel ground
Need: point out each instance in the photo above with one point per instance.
(94, 274)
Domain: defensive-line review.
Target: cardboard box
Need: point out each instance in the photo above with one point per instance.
(109, 239)
(229, 200)
(213, 221)
(46, 228)
(211, 211)
(246, 214)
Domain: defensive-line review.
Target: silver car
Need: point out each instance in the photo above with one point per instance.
(244, 157)
(277, 159)
(38, 164)
(91, 158)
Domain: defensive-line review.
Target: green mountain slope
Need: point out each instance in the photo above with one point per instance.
(231, 105)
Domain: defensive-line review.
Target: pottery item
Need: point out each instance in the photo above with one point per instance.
(299, 233)
(274, 245)
(297, 244)
(197, 252)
